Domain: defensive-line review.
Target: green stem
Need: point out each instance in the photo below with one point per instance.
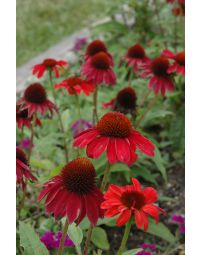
(103, 185)
(60, 119)
(149, 107)
(64, 234)
(125, 238)
(95, 114)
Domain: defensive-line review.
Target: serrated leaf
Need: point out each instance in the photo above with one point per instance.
(132, 252)
(161, 231)
(99, 238)
(30, 241)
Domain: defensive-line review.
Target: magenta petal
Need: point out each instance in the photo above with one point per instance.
(97, 147)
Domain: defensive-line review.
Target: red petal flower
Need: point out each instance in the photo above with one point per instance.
(98, 69)
(35, 100)
(73, 193)
(160, 79)
(115, 135)
(75, 85)
(49, 65)
(136, 57)
(23, 171)
(179, 62)
(129, 201)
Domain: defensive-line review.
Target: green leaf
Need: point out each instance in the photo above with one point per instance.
(76, 235)
(99, 238)
(56, 170)
(119, 168)
(30, 241)
(44, 164)
(161, 231)
(132, 252)
(159, 163)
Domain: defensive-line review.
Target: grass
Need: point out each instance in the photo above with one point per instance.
(42, 23)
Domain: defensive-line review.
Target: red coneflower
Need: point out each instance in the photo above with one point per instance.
(131, 201)
(124, 102)
(75, 85)
(73, 193)
(114, 134)
(23, 119)
(95, 47)
(179, 65)
(35, 100)
(23, 170)
(136, 56)
(49, 64)
(160, 80)
(98, 69)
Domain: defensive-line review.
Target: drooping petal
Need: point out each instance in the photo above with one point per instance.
(92, 209)
(123, 218)
(97, 147)
(122, 150)
(111, 151)
(73, 207)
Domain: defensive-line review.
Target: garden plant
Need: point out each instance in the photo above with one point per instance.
(100, 142)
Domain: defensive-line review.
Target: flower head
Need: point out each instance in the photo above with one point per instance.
(124, 102)
(23, 119)
(52, 240)
(35, 100)
(98, 69)
(136, 56)
(76, 85)
(80, 125)
(73, 193)
(115, 135)
(131, 201)
(95, 47)
(49, 64)
(26, 143)
(179, 220)
(79, 43)
(23, 171)
(179, 62)
(160, 79)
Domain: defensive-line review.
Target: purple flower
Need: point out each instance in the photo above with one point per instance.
(147, 249)
(52, 240)
(26, 143)
(179, 220)
(80, 125)
(79, 43)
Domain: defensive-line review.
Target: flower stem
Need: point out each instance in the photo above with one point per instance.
(103, 185)
(64, 234)
(87, 242)
(95, 114)
(105, 177)
(78, 106)
(125, 238)
(149, 107)
(60, 119)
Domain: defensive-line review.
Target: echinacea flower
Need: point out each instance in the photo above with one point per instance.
(95, 47)
(35, 100)
(115, 135)
(52, 240)
(23, 119)
(136, 56)
(98, 69)
(49, 64)
(23, 171)
(131, 201)
(179, 62)
(76, 85)
(73, 193)
(79, 43)
(179, 220)
(160, 79)
(80, 125)
(124, 102)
